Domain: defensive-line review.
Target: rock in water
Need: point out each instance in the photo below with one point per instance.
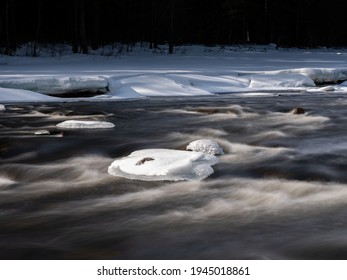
(298, 111)
(205, 146)
(163, 164)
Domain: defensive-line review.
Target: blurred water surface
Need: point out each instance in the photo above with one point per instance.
(279, 191)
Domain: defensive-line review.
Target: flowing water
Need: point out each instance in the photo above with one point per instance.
(279, 191)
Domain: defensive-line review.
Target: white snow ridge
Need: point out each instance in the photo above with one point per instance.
(205, 146)
(164, 164)
(74, 124)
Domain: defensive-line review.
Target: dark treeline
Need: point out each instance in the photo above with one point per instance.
(87, 24)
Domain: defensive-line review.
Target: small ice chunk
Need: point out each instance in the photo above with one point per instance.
(163, 164)
(328, 88)
(73, 124)
(42, 132)
(205, 146)
(2, 107)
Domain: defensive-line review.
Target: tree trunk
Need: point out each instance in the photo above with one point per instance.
(10, 41)
(75, 40)
(38, 27)
(80, 38)
(171, 41)
(153, 31)
(297, 27)
(84, 45)
(95, 38)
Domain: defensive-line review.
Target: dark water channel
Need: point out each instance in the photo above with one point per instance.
(279, 192)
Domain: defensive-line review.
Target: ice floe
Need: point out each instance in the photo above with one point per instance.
(79, 124)
(42, 132)
(205, 146)
(164, 164)
(290, 80)
(56, 84)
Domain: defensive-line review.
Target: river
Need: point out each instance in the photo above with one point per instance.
(278, 192)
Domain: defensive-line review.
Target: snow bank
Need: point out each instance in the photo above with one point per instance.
(19, 95)
(205, 146)
(163, 164)
(74, 124)
(191, 71)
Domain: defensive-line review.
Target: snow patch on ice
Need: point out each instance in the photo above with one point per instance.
(205, 146)
(164, 164)
(78, 124)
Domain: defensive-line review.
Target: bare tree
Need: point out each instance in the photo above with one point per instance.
(80, 38)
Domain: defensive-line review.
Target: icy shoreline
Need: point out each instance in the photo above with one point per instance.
(194, 72)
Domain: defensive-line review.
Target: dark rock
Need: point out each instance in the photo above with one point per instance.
(142, 161)
(298, 111)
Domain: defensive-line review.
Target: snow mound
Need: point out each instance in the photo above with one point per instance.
(205, 146)
(163, 164)
(73, 124)
(18, 95)
(153, 85)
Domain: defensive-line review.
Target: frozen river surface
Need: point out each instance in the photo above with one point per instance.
(278, 192)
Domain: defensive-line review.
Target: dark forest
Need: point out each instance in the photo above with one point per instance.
(88, 25)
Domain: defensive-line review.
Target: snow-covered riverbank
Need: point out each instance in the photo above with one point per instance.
(191, 71)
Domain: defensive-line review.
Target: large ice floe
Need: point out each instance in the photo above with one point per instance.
(78, 124)
(164, 165)
(56, 84)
